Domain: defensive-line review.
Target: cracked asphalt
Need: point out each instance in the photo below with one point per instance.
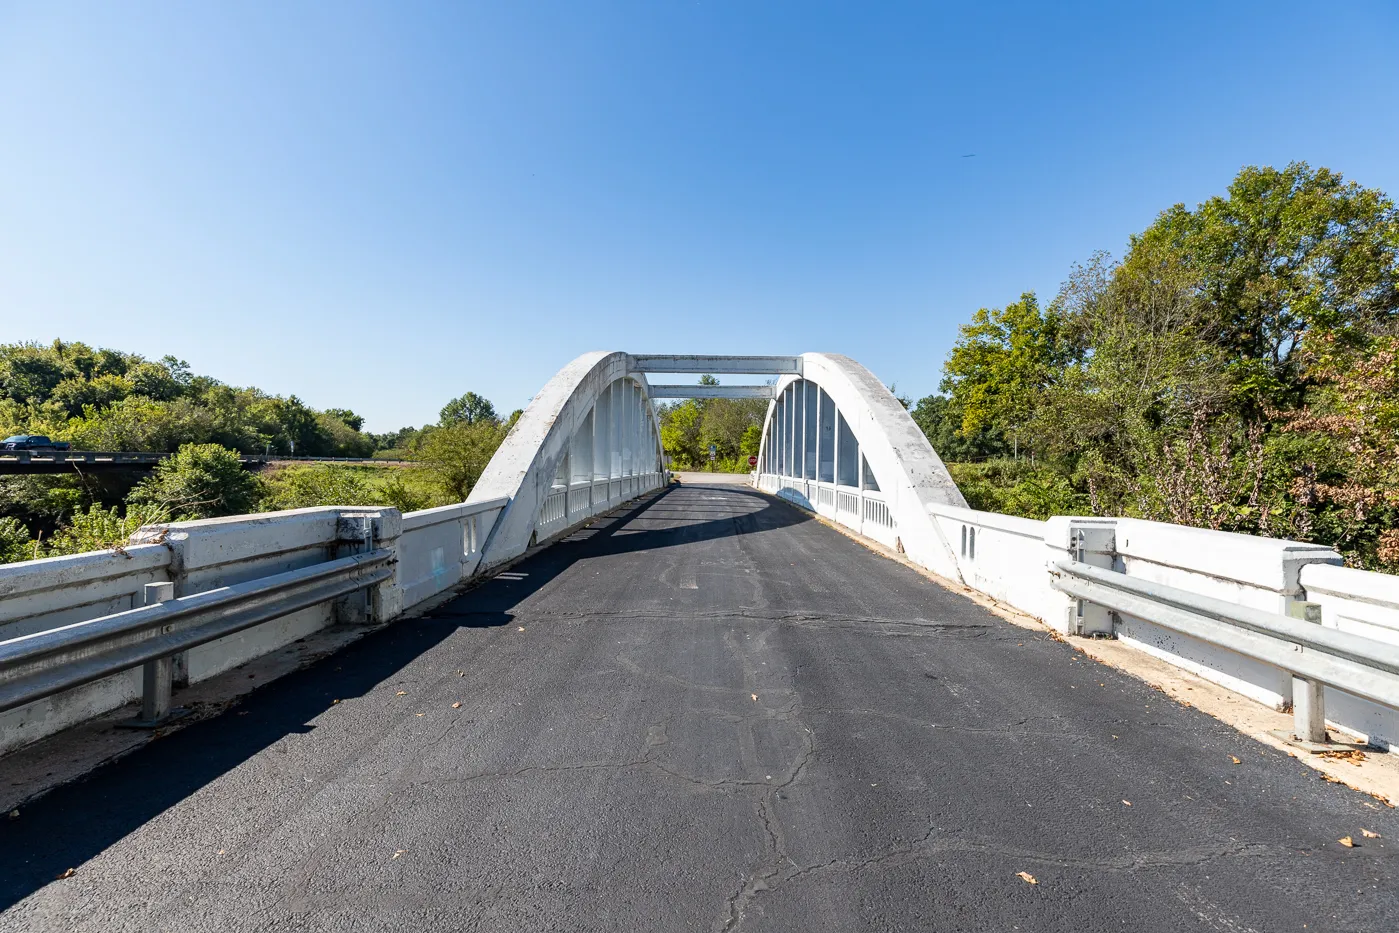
(707, 712)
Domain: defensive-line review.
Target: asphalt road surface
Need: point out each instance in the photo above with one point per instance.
(707, 712)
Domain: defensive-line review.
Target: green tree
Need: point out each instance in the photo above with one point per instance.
(353, 421)
(454, 457)
(681, 426)
(98, 528)
(301, 487)
(199, 481)
(15, 543)
(467, 409)
(941, 423)
(1001, 365)
(1284, 251)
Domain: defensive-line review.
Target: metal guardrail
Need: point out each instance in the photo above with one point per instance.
(1313, 655)
(39, 665)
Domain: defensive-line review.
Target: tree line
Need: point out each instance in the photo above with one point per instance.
(733, 426)
(1236, 369)
(43, 516)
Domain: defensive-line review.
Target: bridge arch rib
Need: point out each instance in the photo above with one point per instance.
(837, 442)
(587, 442)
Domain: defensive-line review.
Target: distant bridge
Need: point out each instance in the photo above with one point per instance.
(14, 462)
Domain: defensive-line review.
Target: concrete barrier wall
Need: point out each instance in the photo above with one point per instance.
(1000, 555)
(436, 549)
(441, 547)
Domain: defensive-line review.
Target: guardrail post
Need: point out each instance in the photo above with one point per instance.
(1308, 696)
(158, 676)
(1091, 541)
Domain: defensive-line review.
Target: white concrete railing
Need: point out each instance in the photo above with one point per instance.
(864, 511)
(567, 506)
(433, 550)
(441, 547)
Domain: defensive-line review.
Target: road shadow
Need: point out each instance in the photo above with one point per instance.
(74, 822)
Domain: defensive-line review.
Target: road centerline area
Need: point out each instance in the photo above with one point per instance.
(706, 711)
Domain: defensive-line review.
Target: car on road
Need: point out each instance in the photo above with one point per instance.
(31, 442)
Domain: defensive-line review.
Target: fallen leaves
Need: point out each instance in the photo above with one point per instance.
(1127, 802)
(1369, 835)
(401, 693)
(1236, 759)
(456, 705)
(520, 629)
(1346, 841)
(1354, 755)
(397, 853)
(14, 814)
(755, 697)
(1026, 877)
(67, 874)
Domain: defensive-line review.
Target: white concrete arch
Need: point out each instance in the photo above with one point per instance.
(588, 441)
(836, 441)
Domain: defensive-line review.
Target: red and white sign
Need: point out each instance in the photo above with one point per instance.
(752, 461)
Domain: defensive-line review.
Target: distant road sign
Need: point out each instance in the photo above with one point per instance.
(752, 461)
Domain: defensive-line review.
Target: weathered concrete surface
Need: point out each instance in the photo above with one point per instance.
(714, 714)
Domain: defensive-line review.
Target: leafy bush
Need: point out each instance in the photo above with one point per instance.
(300, 487)
(99, 529)
(454, 457)
(199, 481)
(15, 544)
(1017, 487)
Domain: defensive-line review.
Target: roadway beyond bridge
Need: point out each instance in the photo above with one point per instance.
(709, 711)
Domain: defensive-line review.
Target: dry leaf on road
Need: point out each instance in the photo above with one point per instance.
(401, 693)
(1237, 761)
(398, 852)
(755, 698)
(1026, 877)
(1369, 835)
(67, 874)
(456, 705)
(1346, 841)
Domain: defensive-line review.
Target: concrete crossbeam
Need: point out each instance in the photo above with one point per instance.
(690, 363)
(698, 391)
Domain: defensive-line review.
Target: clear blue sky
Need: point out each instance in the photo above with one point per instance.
(380, 206)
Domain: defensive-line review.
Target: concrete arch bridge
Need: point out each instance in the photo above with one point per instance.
(841, 700)
(835, 440)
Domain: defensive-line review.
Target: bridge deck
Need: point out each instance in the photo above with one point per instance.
(710, 712)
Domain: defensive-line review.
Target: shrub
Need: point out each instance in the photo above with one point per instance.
(15, 544)
(98, 529)
(199, 481)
